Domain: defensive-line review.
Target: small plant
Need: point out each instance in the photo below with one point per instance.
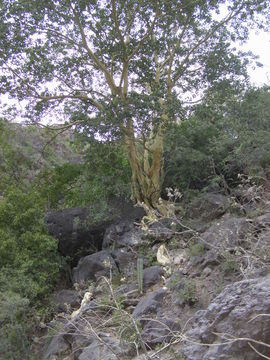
(148, 254)
(188, 294)
(140, 274)
(229, 263)
(196, 250)
(220, 285)
(175, 355)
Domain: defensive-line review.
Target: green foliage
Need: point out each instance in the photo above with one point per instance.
(224, 137)
(188, 293)
(15, 325)
(31, 157)
(229, 263)
(120, 77)
(29, 151)
(196, 250)
(29, 267)
(104, 173)
(107, 170)
(187, 156)
(27, 252)
(13, 161)
(62, 185)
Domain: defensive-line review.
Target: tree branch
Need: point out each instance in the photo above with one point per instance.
(100, 65)
(207, 36)
(116, 23)
(148, 33)
(84, 98)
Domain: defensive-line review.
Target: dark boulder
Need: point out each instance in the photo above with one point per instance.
(66, 299)
(208, 207)
(57, 347)
(162, 230)
(158, 331)
(263, 221)
(109, 348)
(152, 303)
(75, 232)
(91, 267)
(152, 276)
(123, 234)
(80, 230)
(228, 232)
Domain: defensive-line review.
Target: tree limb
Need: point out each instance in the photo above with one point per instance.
(100, 65)
(207, 36)
(148, 33)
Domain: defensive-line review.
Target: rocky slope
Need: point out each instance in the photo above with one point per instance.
(27, 149)
(201, 294)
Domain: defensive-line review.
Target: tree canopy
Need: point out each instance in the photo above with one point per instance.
(122, 70)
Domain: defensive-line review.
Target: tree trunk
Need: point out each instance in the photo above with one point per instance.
(146, 161)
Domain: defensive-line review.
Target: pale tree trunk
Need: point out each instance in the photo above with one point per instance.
(146, 161)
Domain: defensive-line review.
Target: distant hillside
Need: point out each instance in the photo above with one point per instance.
(26, 149)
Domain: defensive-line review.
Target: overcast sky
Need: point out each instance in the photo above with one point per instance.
(259, 44)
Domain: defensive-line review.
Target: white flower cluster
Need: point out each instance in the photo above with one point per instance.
(173, 194)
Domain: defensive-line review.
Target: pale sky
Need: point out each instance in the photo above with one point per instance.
(259, 44)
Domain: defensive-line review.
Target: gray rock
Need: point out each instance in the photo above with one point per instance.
(122, 235)
(175, 280)
(152, 276)
(80, 342)
(159, 331)
(183, 290)
(91, 267)
(228, 232)
(152, 303)
(57, 346)
(208, 206)
(74, 232)
(240, 311)
(109, 349)
(207, 271)
(64, 298)
(263, 220)
(162, 230)
(211, 258)
(263, 240)
(72, 339)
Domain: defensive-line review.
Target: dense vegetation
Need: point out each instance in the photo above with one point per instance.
(123, 84)
(222, 137)
(122, 76)
(29, 268)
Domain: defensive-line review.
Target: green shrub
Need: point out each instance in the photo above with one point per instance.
(229, 263)
(15, 326)
(29, 266)
(196, 250)
(188, 293)
(222, 138)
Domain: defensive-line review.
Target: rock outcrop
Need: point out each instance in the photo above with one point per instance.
(208, 207)
(80, 231)
(235, 323)
(91, 267)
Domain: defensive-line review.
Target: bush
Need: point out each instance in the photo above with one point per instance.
(107, 172)
(15, 326)
(221, 139)
(29, 266)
